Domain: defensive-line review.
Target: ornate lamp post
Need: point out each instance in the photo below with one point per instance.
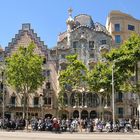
(41, 104)
(2, 68)
(138, 112)
(3, 97)
(113, 95)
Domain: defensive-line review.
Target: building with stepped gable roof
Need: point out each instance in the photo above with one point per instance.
(37, 105)
(89, 40)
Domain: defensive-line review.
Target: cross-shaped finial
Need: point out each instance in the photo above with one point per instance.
(70, 11)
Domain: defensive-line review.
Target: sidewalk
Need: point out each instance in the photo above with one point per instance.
(136, 131)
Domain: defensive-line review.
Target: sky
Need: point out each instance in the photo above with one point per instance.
(48, 17)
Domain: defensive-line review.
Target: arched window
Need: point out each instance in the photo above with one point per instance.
(92, 100)
(13, 100)
(93, 114)
(76, 114)
(72, 100)
(84, 114)
(65, 99)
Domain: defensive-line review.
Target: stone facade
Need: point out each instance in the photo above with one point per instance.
(37, 105)
(87, 39)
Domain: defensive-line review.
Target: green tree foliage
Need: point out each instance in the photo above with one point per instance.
(127, 57)
(73, 77)
(75, 73)
(24, 71)
(100, 78)
(128, 54)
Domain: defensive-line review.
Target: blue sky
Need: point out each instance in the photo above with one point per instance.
(47, 17)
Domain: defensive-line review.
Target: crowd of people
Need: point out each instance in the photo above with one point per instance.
(68, 125)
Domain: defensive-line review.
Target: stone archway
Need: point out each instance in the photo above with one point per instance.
(84, 114)
(48, 115)
(75, 114)
(93, 114)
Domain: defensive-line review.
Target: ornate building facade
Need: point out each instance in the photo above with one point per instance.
(85, 38)
(89, 40)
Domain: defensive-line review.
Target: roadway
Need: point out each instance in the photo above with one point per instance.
(67, 136)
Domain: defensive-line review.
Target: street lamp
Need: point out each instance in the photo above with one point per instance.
(2, 68)
(3, 97)
(41, 104)
(138, 112)
(101, 105)
(3, 94)
(113, 96)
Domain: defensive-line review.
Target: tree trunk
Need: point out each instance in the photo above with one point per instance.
(24, 105)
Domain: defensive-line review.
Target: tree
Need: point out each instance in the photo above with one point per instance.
(73, 77)
(101, 78)
(127, 57)
(24, 72)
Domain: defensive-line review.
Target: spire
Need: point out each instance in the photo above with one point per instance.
(70, 19)
(70, 24)
(70, 12)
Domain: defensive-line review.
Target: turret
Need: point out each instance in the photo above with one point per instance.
(70, 24)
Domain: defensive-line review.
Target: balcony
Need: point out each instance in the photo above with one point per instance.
(104, 48)
(92, 61)
(36, 106)
(62, 61)
(120, 116)
(12, 105)
(119, 100)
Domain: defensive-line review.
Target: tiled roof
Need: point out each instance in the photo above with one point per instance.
(62, 36)
(31, 33)
(84, 19)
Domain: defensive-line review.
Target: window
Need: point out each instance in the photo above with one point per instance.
(91, 55)
(103, 42)
(62, 67)
(120, 96)
(44, 60)
(48, 85)
(131, 27)
(91, 44)
(1, 87)
(117, 39)
(65, 99)
(47, 100)
(68, 87)
(44, 73)
(48, 72)
(117, 27)
(44, 91)
(63, 56)
(75, 44)
(13, 100)
(36, 101)
(120, 111)
(92, 100)
(72, 100)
